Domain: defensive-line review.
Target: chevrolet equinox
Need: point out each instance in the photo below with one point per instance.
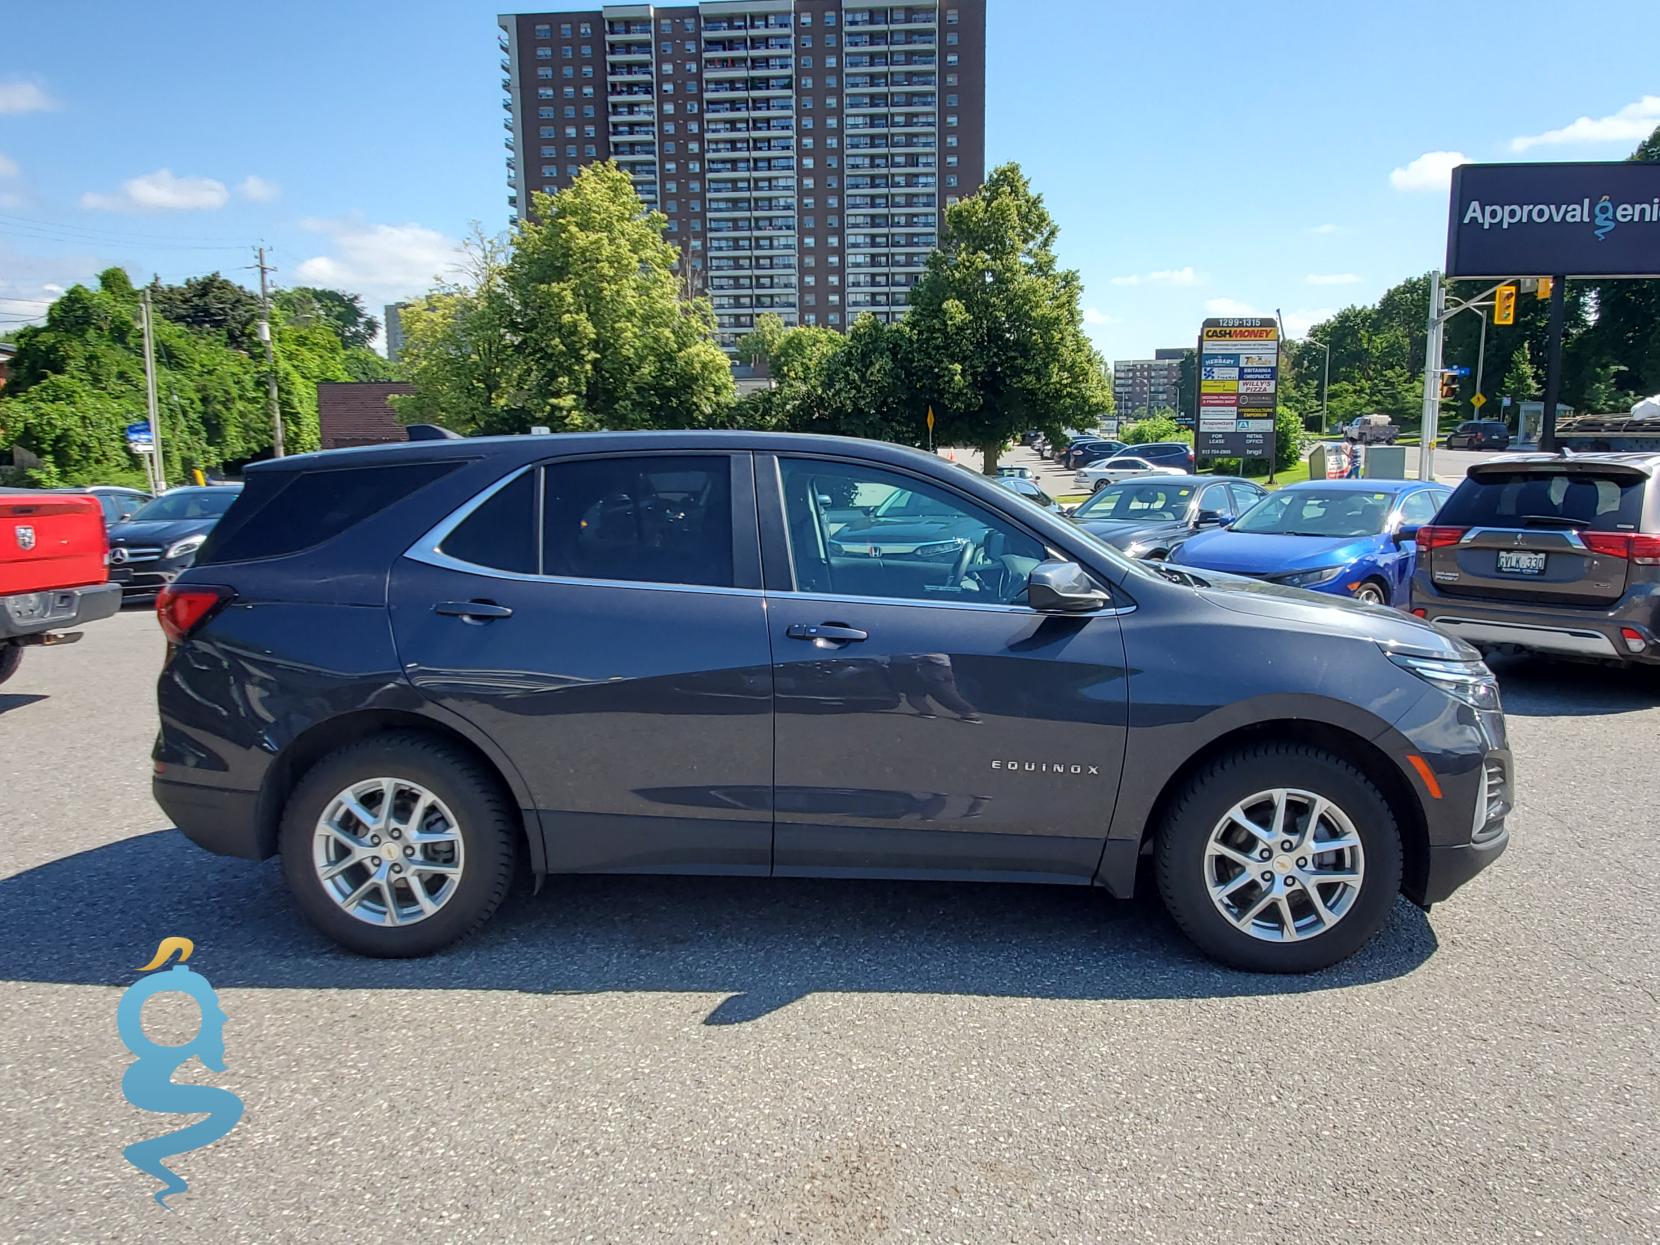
(409, 668)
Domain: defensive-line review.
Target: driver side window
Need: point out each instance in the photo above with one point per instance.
(862, 531)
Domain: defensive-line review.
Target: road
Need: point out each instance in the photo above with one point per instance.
(661, 1059)
(1450, 465)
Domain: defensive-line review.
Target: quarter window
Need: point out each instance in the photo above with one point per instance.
(501, 533)
(858, 531)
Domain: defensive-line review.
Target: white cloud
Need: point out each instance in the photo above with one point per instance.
(1300, 321)
(10, 198)
(1631, 124)
(1430, 171)
(24, 97)
(1096, 317)
(258, 189)
(1327, 228)
(8, 166)
(1166, 276)
(384, 263)
(1332, 278)
(161, 191)
(1230, 307)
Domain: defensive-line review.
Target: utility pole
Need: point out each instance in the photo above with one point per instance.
(156, 472)
(1481, 352)
(1430, 426)
(270, 357)
(1553, 362)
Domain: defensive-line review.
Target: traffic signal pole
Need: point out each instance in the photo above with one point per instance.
(1429, 429)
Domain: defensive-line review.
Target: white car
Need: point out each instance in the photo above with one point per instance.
(1122, 467)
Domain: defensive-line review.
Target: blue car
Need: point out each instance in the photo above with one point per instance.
(1349, 538)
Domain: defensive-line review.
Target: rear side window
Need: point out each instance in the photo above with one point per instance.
(501, 532)
(647, 519)
(281, 514)
(1583, 500)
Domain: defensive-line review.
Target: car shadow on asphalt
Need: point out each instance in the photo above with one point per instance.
(19, 701)
(92, 918)
(1531, 685)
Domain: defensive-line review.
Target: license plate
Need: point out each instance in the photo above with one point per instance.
(1521, 562)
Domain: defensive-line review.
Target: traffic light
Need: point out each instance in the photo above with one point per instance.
(1504, 305)
(1449, 386)
(1544, 287)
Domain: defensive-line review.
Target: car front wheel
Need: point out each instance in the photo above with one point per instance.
(11, 657)
(399, 845)
(1279, 858)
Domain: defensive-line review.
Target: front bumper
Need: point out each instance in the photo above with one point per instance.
(146, 578)
(31, 613)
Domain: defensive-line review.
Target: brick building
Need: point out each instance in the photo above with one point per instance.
(804, 151)
(358, 412)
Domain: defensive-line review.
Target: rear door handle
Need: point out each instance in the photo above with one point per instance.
(827, 633)
(473, 611)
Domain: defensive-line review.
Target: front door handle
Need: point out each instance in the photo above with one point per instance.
(473, 611)
(827, 634)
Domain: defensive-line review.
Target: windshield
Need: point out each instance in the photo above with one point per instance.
(1138, 501)
(205, 504)
(1319, 512)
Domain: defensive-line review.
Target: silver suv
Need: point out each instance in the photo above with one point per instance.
(1554, 554)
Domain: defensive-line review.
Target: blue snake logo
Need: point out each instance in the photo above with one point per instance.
(148, 1084)
(1604, 214)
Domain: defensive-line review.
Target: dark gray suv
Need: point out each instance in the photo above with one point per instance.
(407, 668)
(1550, 553)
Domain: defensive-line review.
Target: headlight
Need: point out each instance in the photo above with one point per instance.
(190, 544)
(1307, 579)
(938, 549)
(1469, 681)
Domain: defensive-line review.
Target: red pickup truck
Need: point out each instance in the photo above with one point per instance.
(54, 571)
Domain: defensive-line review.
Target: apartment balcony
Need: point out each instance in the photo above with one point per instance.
(506, 65)
(627, 75)
(507, 104)
(507, 124)
(626, 30)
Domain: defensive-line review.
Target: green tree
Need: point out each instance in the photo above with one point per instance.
(1626, 336)
(601, 335)
(211, 302)
(1521, 381)
(342, 312)
(995, 327)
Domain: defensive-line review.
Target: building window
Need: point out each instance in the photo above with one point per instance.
(567, 72)
(590, 151)
(586, 29)
(830, 18)
(950, 58)
(544, 32)
(565, 30)
(830, 63)
(544, 53)
(544, 92)
(950, 101)
(806, 62)
(544, 71)
(690, 23)
(567, 51)
(829, 41)
(587, 50)
(587, 71)
(806, 40)
(666, 25)
(951, 39)
(549, 131)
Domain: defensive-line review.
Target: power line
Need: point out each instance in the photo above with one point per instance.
(119, 235)
(107, 243)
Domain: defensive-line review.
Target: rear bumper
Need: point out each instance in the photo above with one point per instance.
(31, 613)
(222, 821)
(1563, 630)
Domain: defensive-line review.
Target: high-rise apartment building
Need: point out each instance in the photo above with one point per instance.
(1142, 386)
(803, 151)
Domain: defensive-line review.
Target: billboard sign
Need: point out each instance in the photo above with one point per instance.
(1239, 368)
(139, 438)
(1583, 219)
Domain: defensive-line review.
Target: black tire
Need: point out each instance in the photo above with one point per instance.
(489, 825)
(11, 657)
(1235, 776)
(1098, 486)
(1378, 586)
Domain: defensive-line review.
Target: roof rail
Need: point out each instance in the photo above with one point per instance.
(432, 432)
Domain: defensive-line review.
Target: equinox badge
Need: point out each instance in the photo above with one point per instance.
(1046, 767)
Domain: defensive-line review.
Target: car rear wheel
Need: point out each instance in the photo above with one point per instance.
(1098, 486)
(1372, 593)
(399, 845)
(11, 657)
(1279, 858)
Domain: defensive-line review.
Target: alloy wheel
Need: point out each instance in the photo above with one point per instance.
(388, 851)
(1284, 865)
(1370, 594)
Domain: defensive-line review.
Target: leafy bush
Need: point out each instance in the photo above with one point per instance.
(1157, 428)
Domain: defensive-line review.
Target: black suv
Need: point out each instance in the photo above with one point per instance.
(405, 667)
(1479, 434)
(1554, 554)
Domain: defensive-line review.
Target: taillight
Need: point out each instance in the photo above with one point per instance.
(180, 610)
(1643, 550)
(1432, 537)
(1420, 612)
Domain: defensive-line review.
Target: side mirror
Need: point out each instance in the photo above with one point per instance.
(1213, 518)
(1406, 532)
(1063, 588)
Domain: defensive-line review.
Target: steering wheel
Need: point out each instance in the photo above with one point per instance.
(965, 559)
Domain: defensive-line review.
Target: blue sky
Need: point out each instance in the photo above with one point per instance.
(1201, 158)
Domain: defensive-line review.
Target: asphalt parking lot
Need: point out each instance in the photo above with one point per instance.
(665, 1059)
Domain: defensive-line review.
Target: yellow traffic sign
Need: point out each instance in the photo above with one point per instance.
(1478, 400)
(1544, 287)
(1504, 305)
(930, 419)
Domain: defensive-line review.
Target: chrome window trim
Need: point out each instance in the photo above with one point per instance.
(983, 607)
(1569, 537)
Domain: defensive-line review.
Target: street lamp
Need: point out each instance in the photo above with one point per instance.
(1325, 381)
